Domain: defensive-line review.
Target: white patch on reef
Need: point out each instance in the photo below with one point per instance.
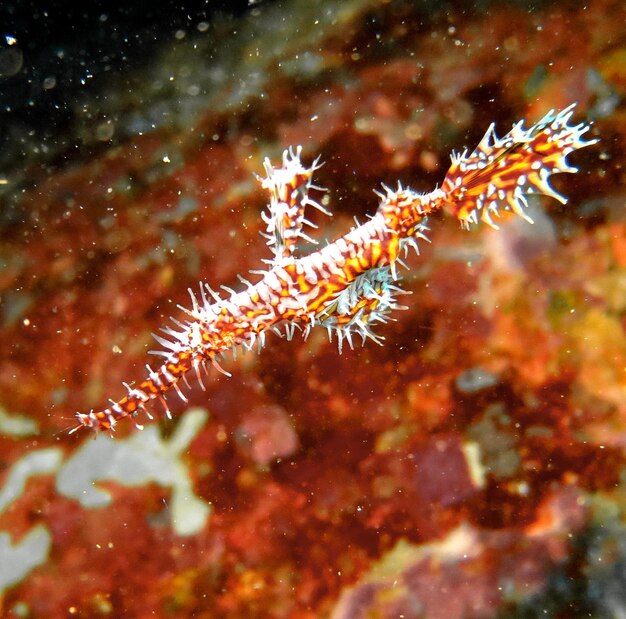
(17, 425)
(41, 462)
(141, 458)
(17, 560)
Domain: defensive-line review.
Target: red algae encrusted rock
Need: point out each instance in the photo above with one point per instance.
(458, 471)
(469, 573)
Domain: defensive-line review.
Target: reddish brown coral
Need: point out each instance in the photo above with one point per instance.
(496, 405)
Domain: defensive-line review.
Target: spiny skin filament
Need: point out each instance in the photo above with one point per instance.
(351, 284)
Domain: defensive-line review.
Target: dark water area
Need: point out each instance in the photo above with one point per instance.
(470, 466)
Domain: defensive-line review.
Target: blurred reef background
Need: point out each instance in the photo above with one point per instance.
(473, 467)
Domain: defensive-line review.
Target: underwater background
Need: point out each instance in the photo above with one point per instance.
(472, 467)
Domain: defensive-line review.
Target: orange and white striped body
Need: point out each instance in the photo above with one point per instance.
(349, 285)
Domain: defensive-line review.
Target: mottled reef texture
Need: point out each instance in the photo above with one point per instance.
(472, 467)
